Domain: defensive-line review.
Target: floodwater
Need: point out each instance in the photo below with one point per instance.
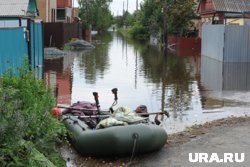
(192, 88)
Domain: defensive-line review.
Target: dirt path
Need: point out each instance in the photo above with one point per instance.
(231, 135)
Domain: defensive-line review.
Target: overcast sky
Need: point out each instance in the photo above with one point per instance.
(116, 6)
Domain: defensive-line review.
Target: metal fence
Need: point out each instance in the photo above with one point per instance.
(226, 43)
(13, 48)
(57, 34)
(224, 76)
(18, 43)
(36, 47)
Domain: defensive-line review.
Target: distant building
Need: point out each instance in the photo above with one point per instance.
(235, 12)
(20, 8)
(76, 18)
(20, 36)
(47, 10)
(64, 11)
(64, 26)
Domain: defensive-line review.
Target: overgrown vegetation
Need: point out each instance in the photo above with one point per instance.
(28, 133)
(96, 14)
(149, 20)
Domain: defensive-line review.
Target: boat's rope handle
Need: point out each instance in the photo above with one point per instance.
(135, 136)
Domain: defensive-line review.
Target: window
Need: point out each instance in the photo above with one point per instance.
(60, 14)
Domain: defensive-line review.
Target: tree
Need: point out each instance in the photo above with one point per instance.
(151, 16)
(96, 13)
(126, 19)
(177, 14)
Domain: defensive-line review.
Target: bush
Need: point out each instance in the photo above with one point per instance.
(139, 32)
(28, 133)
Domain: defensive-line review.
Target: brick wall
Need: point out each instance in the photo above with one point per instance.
(64, 3)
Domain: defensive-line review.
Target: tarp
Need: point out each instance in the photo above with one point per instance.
(122, 116)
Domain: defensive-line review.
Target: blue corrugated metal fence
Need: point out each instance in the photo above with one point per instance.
(14, 47)
(36, 39)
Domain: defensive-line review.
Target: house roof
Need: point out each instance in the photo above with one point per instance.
(18, 8)
(232, 6)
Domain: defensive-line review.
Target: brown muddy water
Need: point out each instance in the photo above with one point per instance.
(193, 89)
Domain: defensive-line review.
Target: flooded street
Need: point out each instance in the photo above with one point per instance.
(193, 89)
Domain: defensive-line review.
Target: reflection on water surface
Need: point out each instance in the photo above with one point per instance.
(193, 90)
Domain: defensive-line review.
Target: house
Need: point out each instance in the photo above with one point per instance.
(20, 35)
(14, 12)
(66, 27)
(76, 12)
(236, 12)
(47, 10)
(64, 11)
(223, 28)
(18, 8)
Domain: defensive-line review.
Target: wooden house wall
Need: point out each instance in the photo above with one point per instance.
(206, 7)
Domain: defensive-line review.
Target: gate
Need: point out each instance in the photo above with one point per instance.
(226, 43)
(16, 45)
(13, 48)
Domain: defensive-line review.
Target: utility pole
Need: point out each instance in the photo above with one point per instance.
(73, 9)
(123, 8)
(127, 5)
(136, 5)
(165, 26)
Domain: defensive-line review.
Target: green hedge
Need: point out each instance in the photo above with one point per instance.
(28, 133)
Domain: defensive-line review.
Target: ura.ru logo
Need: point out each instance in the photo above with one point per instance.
(211, 158)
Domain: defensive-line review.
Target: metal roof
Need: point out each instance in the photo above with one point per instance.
(10, 8)
(232, 6)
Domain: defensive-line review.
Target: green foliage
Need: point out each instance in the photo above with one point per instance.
(67, 47)
(124, 32)
(96, 13)
(139, 32)
(27, 129)
(151, 16)
(149, 20)
(179, 16)
(119, 21)
(126, 19)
